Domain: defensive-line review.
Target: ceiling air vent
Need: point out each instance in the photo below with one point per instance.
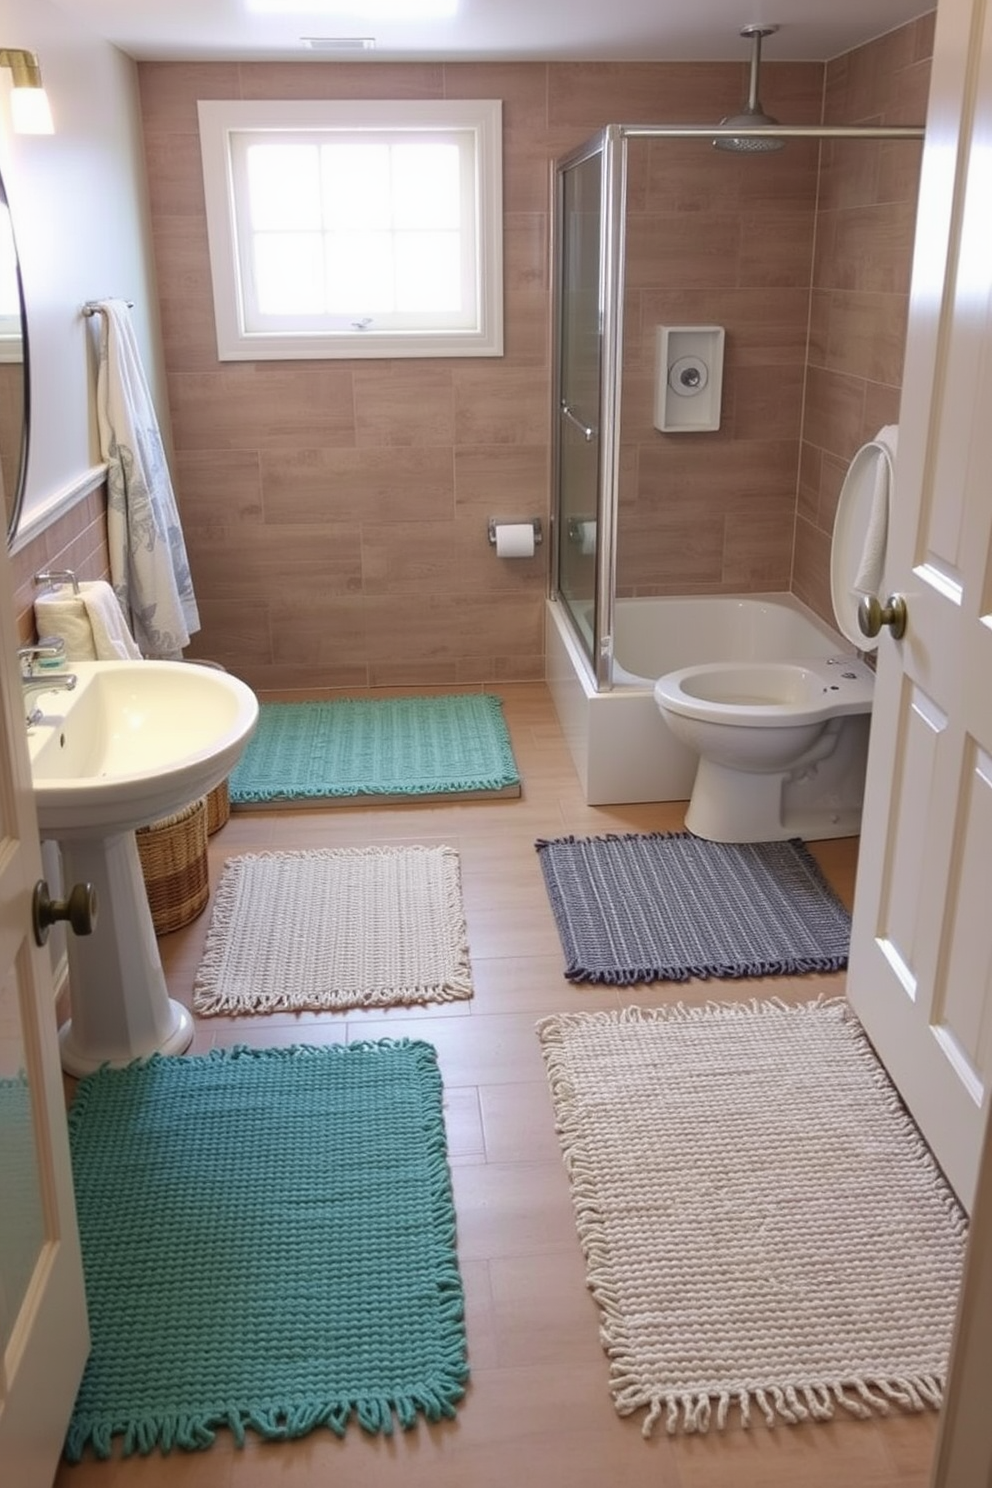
(339, 43)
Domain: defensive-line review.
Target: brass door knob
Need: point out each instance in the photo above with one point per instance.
(79, 910)
(872, 615)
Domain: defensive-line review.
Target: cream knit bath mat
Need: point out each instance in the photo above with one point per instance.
(762, 1222)
(335, 928)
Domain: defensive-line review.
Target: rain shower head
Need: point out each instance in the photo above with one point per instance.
(752, 113)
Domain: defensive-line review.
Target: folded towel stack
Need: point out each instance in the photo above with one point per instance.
(868, 579)
(91, 623)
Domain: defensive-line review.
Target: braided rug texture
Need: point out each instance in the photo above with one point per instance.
(667, 906)
(335, 928)
(375, 746)
(269, 1243)
(762, 1223)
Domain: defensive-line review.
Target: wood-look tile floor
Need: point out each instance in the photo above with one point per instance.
(537, 1411)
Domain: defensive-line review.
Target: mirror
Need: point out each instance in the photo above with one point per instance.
(13, 374)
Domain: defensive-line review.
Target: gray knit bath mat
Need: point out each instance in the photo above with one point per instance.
(668, 906)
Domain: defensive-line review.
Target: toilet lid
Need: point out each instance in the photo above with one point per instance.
(854, 513)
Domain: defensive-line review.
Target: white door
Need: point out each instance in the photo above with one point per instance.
(920, 975)
(43, 1331)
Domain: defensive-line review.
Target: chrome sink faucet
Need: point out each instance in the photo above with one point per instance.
(49, 648)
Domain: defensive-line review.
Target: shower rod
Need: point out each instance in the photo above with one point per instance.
(776, 131)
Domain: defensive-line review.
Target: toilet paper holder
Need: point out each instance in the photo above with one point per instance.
(534, 522)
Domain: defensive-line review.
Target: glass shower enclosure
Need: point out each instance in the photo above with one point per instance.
(589, 250)
(586, 298)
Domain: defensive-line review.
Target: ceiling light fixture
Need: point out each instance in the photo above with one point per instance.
(29, 107)
(365, 10)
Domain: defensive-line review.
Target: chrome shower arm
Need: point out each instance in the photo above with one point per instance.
(752, 88)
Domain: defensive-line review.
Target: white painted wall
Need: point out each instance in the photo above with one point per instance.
(80, 217)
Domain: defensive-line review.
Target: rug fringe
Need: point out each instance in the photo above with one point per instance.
(551, 1028)
(377, 1415)
(706, 971)
(694, 1412)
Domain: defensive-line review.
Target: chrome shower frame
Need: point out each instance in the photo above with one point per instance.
(612, 144)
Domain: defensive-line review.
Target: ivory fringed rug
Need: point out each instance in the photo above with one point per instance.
(667, 906)
(335, 928)
(762, 1223)
(390, 749)
(269, 1244)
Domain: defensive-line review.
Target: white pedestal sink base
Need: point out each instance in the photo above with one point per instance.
(121, 1009)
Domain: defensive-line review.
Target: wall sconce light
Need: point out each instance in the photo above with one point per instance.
(29, 108)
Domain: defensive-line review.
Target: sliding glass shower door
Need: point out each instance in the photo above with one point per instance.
(578, 391)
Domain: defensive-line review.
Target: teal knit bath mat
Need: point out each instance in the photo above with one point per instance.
(269, 1243)
(389, 748)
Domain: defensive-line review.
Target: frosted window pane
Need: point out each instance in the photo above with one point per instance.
(428, 272)
(426, 186)
(284, 186)
(359, 274)
(289, 274)
(356, 186)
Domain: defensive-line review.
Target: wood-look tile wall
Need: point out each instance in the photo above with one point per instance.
(76, 541)
(335, 513)
(860, 290)
(718, 239)
(804, 257)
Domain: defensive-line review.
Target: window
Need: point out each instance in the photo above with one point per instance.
(344, 229)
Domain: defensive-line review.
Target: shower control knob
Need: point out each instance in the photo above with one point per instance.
(79, 910)
(688, 376)
(872, 615)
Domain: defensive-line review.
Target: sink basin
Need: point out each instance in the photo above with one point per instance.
(135, 741)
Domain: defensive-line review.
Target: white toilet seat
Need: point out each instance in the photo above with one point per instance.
(760, 694)
(861, 506)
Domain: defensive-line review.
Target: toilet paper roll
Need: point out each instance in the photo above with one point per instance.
(514, 540)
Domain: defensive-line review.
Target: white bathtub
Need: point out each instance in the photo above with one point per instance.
(621, 745)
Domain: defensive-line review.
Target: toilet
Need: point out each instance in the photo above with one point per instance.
(783, 745)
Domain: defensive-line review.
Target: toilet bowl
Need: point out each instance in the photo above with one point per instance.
(783, 745)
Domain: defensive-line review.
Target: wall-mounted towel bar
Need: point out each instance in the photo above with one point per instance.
(92, 307)
(58, 576)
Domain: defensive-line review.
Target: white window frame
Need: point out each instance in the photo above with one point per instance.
(480, 119)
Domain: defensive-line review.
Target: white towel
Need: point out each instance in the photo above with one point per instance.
(91, 623)
(868, 579)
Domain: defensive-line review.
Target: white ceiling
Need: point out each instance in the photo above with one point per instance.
(521, 30)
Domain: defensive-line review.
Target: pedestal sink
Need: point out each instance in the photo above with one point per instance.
(133, 742)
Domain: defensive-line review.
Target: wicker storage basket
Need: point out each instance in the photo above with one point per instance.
(218, 808)
(173, 855)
